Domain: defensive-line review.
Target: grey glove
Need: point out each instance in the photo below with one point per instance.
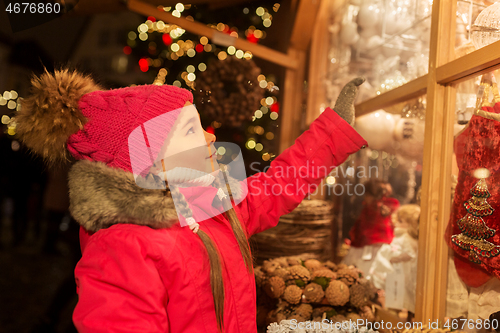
(344, 106)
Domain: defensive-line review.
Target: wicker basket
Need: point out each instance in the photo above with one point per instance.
(305, 230)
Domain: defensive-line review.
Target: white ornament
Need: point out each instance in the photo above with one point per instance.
(369, 16)
(349, 33)
(361, 45)
(367, 33)
(374, 45)
(376, 128)
(486, 26)
(409, 132)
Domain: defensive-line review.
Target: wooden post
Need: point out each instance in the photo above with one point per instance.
(292, 122)
(318, 59)
(436, 173)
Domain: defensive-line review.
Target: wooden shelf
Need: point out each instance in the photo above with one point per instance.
(407, 91)
(473, 64)
(217, 37)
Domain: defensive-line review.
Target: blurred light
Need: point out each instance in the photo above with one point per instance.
(231, 50)
(202, 67)
(191, 77)
(132, 35)
(222, 55)
(259, 130)
(478, 173)
(266, 157)
(239, 54)
(11, 105)
(377, 114)
(15, 145)
(163, 72)
(5, 119)
(176, 13)
(160, 25)
(190, 69)
(264, 109)
(276, 7)
(175, 47)
(258, 114)
(177, 83)
(267, 23)
(250, 144)
(208, 48)
(142, 28)
(260, 11)
(269, 135)
(127, 50)
(191, 53)
(248, 55)
(330, 180)
(221, 150)
(246, 10)
(259, 147)
(11, 131)
(263, 84)
(269, 100)
(143, 36)
(3, 101)
(203, 40)
(6, 95)
(261, 77)
(179, 7)
(273, 115)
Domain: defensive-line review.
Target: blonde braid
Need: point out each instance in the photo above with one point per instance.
(216, 280)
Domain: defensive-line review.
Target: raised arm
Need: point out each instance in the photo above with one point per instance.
(299, 170)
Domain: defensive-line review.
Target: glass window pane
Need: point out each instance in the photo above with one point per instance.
(387, 41)
(473, 292)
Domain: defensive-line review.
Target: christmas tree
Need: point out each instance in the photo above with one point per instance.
(474, 229)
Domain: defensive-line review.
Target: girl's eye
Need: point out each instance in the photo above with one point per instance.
(190, 131)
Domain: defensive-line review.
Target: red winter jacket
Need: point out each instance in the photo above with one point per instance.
(139, 273)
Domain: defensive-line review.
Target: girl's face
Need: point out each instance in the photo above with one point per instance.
(188, 144)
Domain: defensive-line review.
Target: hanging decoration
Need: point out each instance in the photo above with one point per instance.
(473, 227)
(228, 91)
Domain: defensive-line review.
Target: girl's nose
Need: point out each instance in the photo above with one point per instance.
(209, 138)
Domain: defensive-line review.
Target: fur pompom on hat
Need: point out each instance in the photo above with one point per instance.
(51, 114)
(69, 114)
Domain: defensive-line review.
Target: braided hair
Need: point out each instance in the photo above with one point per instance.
(216, 280)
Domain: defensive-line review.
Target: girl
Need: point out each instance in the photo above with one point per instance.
(141, 271)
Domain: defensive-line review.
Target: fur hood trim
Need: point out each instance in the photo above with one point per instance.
(101, 196)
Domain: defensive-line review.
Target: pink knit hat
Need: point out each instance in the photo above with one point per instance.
(67, 109)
